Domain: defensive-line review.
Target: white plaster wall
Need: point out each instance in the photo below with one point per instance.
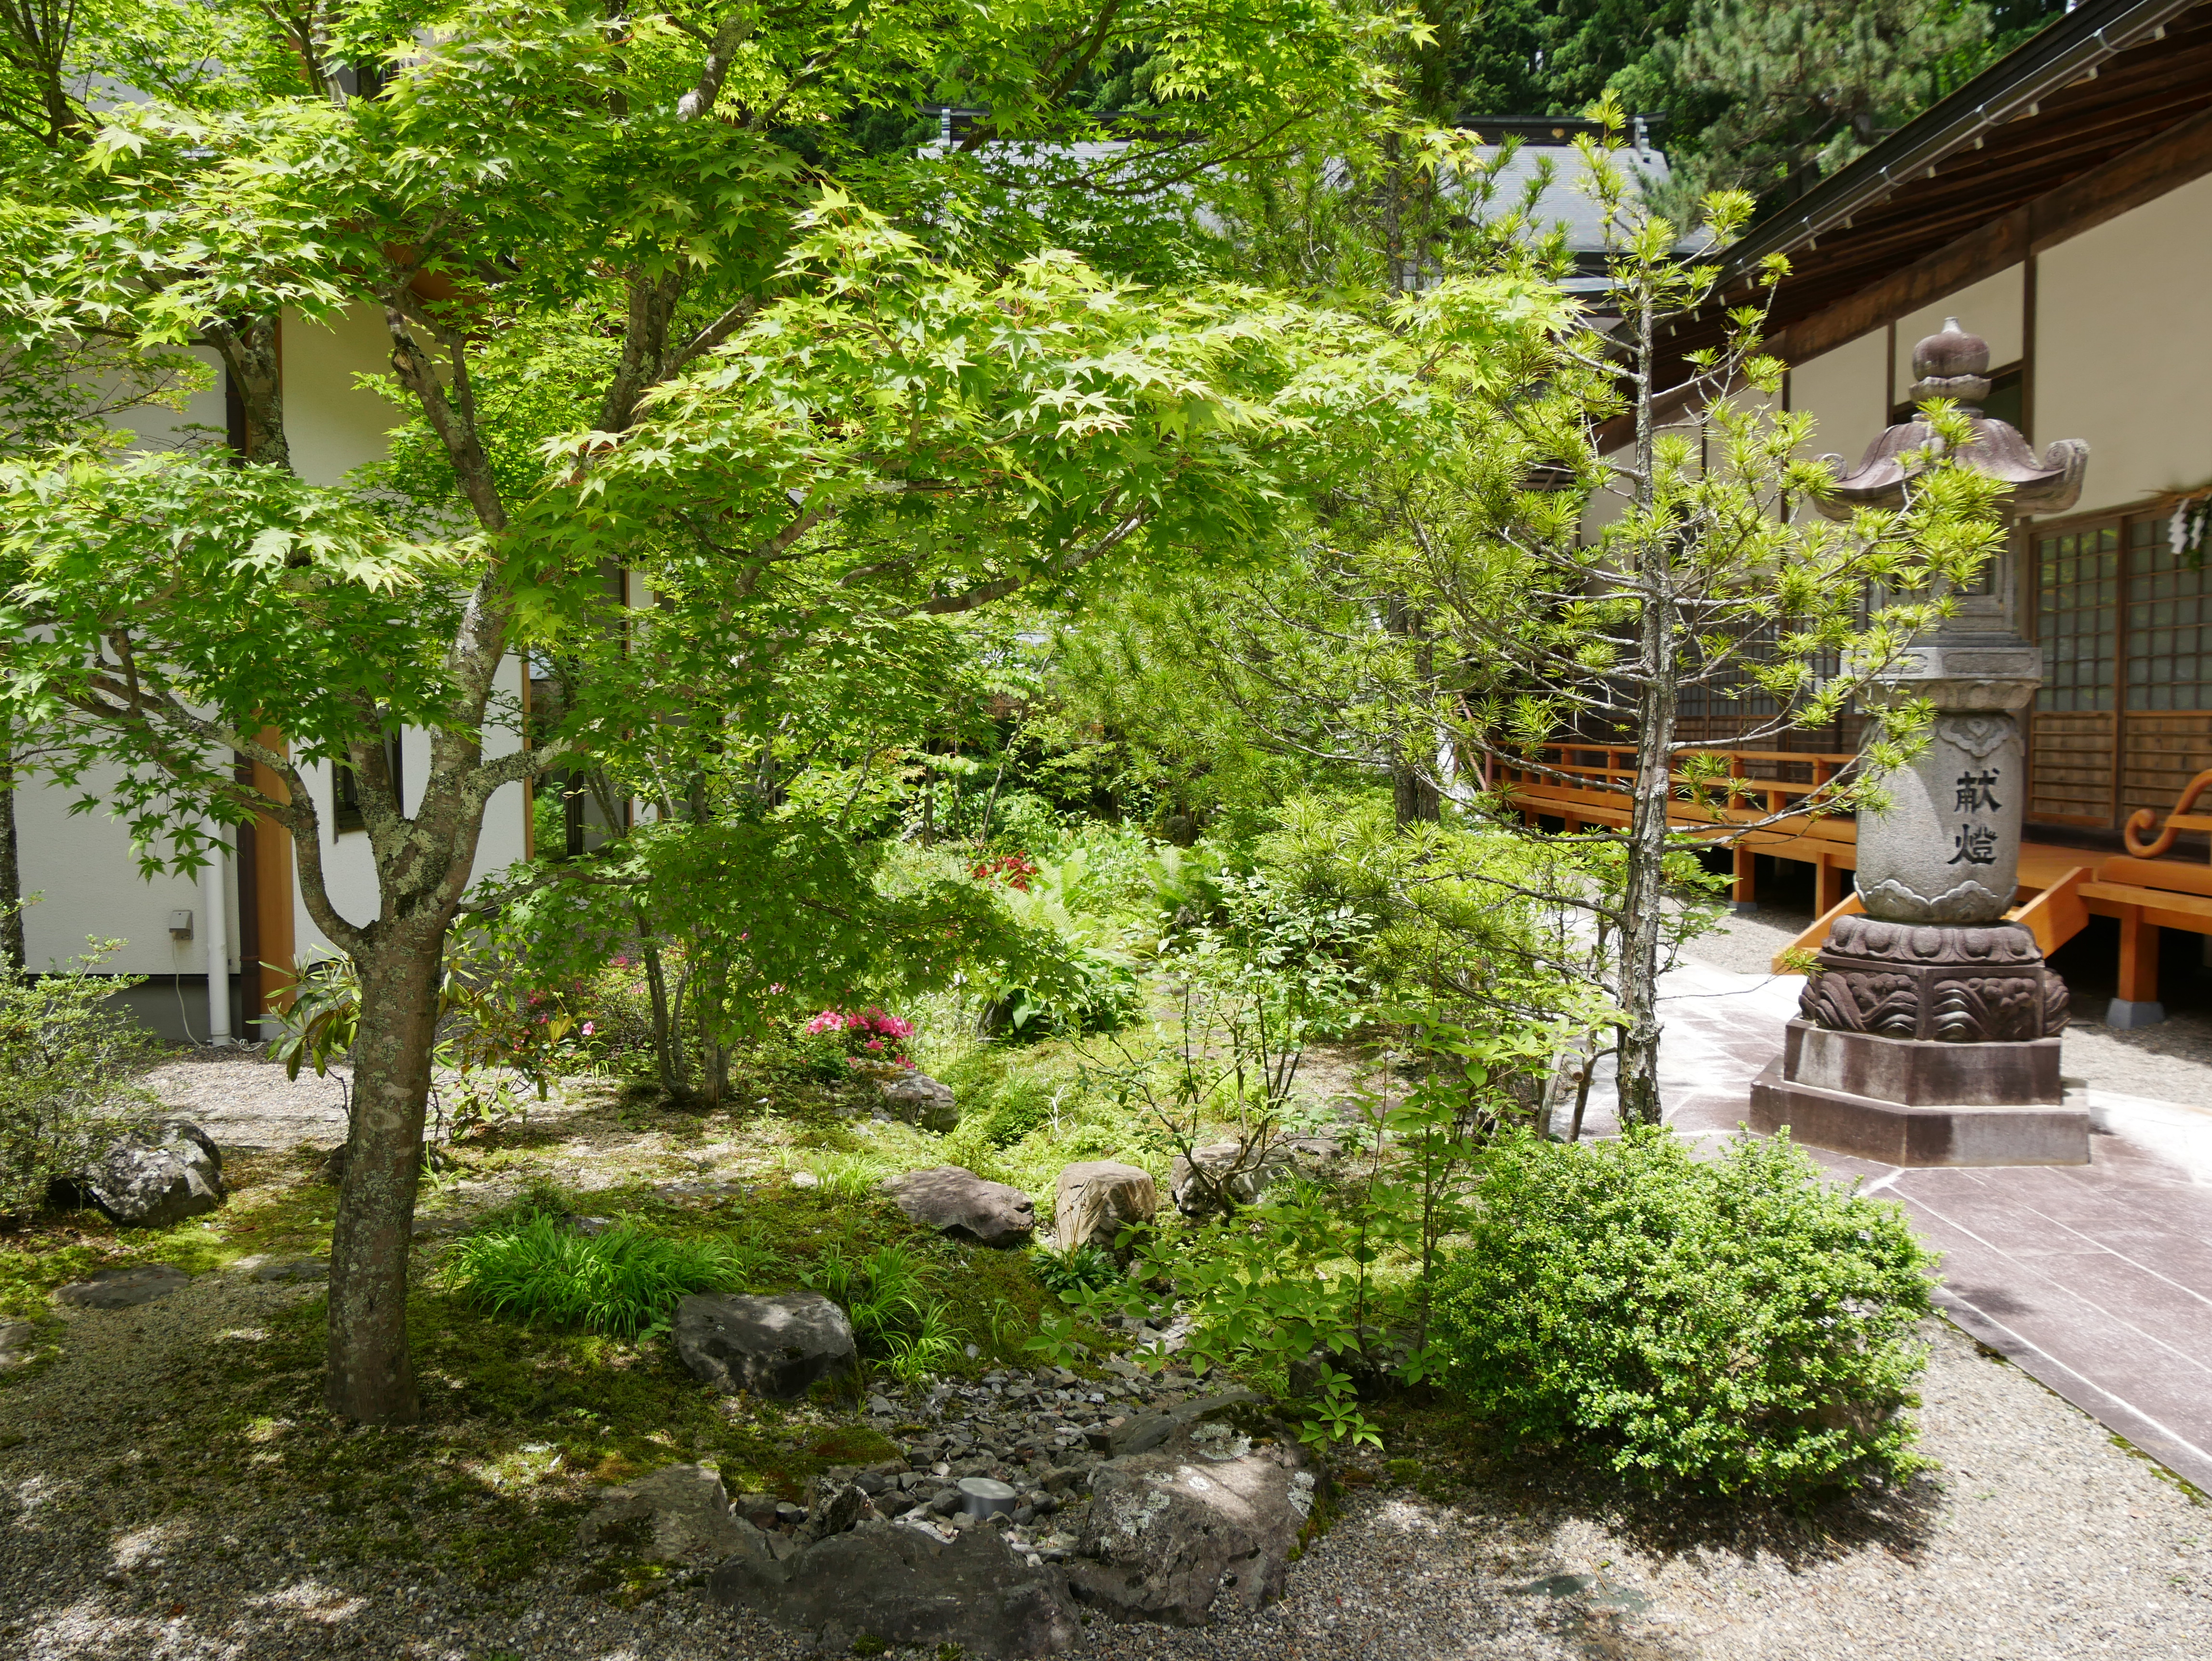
(1993, 309)
(202, 421)
(83, 869)
(2123, 348)
(349, 871)
(1847, 392)
(333, 424)
(81, 866)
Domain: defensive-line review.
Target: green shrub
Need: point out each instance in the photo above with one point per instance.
(1737, 1325)
(620, 1282)
(67, 1059)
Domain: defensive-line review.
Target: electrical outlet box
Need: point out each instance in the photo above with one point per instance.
(180, 924)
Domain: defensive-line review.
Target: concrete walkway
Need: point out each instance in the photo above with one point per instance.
(2096, 1280)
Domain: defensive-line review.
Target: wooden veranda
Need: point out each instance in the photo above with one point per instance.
(2061, 887)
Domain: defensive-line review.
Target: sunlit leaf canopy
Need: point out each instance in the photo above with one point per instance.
(903, 401)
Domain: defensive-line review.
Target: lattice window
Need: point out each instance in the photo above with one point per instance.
(2077, 594)
(2169, 624)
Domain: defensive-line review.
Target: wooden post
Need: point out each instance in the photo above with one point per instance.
(2136, 1002)
(1827, 886)
(1744, 896)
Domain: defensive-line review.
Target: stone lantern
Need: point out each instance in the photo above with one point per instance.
(1928, 1033)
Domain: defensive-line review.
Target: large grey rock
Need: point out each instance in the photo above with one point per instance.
(960, 1202)
(1095, 1200)
(898, 1585)
(154, 1178)
(18, 1345)
(1140, 1433)
(1209, 1520)
(921, 1100)
(123, 1288)
(833, 1507)
(683, 1513)
(768, 1346)
(268, 1267)
(1219, 1172)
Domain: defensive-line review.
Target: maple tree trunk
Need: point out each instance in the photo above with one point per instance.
(372, 1377)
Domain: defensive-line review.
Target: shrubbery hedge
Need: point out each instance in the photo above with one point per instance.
(1736, 1325)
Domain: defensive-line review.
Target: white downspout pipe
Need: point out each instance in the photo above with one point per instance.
(215, 907)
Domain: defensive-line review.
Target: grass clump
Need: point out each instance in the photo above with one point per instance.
(1735, 1325)
(887, 1297)
(622, 1283)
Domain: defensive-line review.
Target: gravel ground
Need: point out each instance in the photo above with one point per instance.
(2037, 1538)
(2169, 1062)
(243, 1101)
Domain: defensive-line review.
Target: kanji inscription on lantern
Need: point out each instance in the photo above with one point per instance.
(1977, 791)
(1976, 844)
(1972, 844)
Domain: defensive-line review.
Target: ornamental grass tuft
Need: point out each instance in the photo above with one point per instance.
(1735, 1325)
(621, 1283)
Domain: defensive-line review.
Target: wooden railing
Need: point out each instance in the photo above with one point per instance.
(1556, 766)
(2144, 821)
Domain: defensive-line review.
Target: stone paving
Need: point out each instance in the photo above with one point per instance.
(2096, 1280)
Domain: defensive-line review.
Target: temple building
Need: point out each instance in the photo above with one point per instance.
(2059, 206)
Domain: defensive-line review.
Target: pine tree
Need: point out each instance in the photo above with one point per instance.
(1811, 83)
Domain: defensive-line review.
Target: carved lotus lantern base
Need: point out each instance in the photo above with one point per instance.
(1927, 1044)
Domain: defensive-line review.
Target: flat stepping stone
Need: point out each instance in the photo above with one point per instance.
(123, 1288)
(283, 1270)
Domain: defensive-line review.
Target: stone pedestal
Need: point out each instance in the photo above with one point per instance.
(1927, 1044)
(1905, 1101)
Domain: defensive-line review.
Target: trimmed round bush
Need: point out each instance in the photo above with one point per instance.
(1734, 1324)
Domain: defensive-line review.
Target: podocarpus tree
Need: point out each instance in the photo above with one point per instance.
(624, 230)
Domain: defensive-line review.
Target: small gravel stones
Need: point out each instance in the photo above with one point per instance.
(123, 1288)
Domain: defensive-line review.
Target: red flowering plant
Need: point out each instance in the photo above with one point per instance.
(1015, 870)
(859, 1038)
